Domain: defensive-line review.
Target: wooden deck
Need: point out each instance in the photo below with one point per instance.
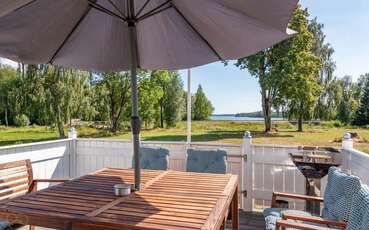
(248, 221)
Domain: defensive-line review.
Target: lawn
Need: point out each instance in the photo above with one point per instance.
(208, 131)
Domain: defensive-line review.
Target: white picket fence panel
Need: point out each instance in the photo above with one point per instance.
(357, 163)
(49, 159)
(94, 154)
(262, 169)
(269, 168)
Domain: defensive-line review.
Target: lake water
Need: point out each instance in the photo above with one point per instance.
(234, 118)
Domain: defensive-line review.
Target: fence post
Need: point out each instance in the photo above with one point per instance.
(347, 142)
(72, 133)
(347, 145)
(72, 136)
(248, 172)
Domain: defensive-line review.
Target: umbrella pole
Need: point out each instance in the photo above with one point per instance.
(135, 120)
(189, 106)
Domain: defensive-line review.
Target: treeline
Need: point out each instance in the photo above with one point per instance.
(296, 78)
(259, 114)
(54, 96)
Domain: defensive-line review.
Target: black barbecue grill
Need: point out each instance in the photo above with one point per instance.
(314, 164)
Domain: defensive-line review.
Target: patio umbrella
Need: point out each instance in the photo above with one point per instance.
(116, 35)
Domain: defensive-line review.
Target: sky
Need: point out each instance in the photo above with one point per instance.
(346, 25)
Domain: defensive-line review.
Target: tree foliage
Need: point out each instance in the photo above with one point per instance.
(54, 96)
(259, 66)
(114, 89)
(301, 68)
(21, 120)
(7, 82)
(173, 101)
(202, 106)
(326, 105)
(287, 72)
(62, 96)
(361, 116)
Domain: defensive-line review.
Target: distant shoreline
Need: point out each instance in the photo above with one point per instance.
(258, 114)
(234, 117)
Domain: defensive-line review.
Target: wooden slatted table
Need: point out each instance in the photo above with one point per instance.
(168, 200)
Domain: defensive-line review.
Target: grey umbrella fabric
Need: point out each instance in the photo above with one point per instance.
(33, 31)
(115, 35)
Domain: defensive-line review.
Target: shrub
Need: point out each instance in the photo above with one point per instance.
(333, 124)
(21, 120)
(337, 124)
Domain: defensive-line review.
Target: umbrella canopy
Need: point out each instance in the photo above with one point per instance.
(115, 35)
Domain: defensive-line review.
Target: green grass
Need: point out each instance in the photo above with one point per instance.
(11, 136)
(208, 131)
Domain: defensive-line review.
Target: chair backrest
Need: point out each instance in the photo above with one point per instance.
(154, 158)
(15, 178)
(207, 161)
(339, 194)
(359, 217)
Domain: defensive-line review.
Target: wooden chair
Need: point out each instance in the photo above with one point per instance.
(358, 216)
(284, 223)
(338, 204)
(16, 179)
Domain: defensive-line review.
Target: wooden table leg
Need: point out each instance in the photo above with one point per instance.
(224, 224)
(234, 211)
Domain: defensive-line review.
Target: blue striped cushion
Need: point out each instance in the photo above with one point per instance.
(359, 218)
(271, 216)
(154, 158)
(338, 195)
(4, 225)
(207, 161)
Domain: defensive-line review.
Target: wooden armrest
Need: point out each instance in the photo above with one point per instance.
(33, 186)
(314, 219)
(294, 196)
(49, 180)
(283, 224)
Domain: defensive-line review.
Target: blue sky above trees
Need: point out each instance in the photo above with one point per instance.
(346, 27)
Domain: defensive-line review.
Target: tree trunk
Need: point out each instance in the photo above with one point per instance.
(114, 125)
(267, 111)
(300, 129)
(60, 123)
(301, 117)
(61, 130)
(161, 114)
(6, 116)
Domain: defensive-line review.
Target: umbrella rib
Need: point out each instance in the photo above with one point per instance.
(142, 8)
(197, 32)
(70, 33)
(153, 11)
(117, 8)
(104, 10)
(21, 7)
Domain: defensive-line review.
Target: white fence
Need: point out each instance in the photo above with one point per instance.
(269, 168)
(262, 169)
(50, 159)
(357, 163)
